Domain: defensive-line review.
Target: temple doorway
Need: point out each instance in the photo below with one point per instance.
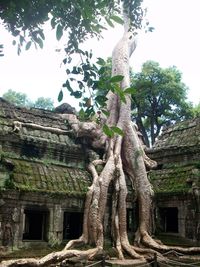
(72, 225)
(169, 219)
(35, 225)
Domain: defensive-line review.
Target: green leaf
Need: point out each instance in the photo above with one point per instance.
(77, 94)
(117, 78)
(40, 42)
(117, 19)
(117, 130)
(108, 131)
(18, 50)
(53, 23)
(151, 29)
(59, 32)
(102, 70)
(41, 34)
(60, 96)
(67, 84)
(109, 22)
(105, 112)
(15, 33)
(21, 39)
(130, 90)
(28, 45)
(100, 99)
(74, 70)
(120, 93)
(101, 61)
(81, 114)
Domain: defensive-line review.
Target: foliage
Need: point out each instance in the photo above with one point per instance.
(80, 19)
(25, 19)
(77, 20)
(9, 184)
(90, 82)
(159, 99)
(17, 98)
(1, 50)
(22, 100)
(44, 103)
(196, 110)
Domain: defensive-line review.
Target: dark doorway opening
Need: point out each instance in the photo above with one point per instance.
(72, 225)
(129, 219)
(35, 225)
(169, 219)
(132, 216)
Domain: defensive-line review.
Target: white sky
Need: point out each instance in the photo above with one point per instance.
(175, 41)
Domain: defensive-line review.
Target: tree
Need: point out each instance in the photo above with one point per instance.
(44, 103)
(17, 98)
(115, 134)
(196, 110)
(159, 99)
(22, 100)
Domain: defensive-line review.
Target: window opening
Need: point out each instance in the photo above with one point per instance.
(35, 225)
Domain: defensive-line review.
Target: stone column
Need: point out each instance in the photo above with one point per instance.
(56, 225)
(16, 227)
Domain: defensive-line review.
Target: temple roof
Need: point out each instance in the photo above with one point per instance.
(43, 161)
(38, 159)
(31, 115)
(45, 177)
(177, 152)
(182, 134)
(37, 142)
(175, 178)
(178, 143)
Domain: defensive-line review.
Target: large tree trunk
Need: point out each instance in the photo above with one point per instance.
(122, 154)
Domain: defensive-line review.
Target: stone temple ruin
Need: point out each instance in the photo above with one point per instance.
(44, 179)
(176, 181)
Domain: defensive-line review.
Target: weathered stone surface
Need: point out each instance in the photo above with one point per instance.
(42, 176)
(176, 181)
(44, 173)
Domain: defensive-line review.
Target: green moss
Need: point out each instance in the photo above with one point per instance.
(37, 177)
(172, 179)
(5, 154)
(9, 184)
(45, 176)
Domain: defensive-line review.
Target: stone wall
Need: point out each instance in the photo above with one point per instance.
(12, 211)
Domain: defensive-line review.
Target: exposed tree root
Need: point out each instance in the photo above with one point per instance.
(148, 241)
(51, 258)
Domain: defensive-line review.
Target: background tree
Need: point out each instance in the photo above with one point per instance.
(196, 110)
(44, 103)
(17, 98)
(159, 99)
(22, 100)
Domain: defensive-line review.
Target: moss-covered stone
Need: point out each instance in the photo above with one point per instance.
(174, 178)
(52, 178)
